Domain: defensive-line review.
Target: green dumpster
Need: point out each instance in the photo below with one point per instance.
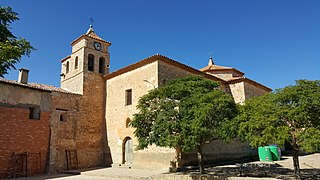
(275, 153)
(265, 154)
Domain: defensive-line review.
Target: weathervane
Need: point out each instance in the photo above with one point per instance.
(91, 21)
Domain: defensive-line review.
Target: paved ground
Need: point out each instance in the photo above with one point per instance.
(306, 162)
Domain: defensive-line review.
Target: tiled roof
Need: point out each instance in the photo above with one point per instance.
(95, 36)
(220, 68)
(41, 87)
(91, 35)
(159, 57)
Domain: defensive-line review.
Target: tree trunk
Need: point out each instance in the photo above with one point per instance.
(295, 149)
(200, 159)
(178, 157)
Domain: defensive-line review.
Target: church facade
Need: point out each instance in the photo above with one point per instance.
(85, 122)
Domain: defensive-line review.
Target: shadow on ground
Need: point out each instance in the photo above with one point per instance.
(217, 173)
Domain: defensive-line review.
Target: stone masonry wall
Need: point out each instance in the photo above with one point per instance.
(91, 133)
(238, 92)
(73, 80)
(140, 81)
(63, 131)
(252, 90)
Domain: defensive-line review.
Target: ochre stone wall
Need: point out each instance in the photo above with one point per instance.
(19, 134)
(238, 92)
(73, 80)
(252, 90)
(167, 72)
(80, 44)
(140, 81)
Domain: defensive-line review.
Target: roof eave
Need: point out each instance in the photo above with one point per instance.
(244, 79)
(85, 35)
(165, 59)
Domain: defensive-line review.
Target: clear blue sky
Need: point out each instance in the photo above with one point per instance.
(273, 41)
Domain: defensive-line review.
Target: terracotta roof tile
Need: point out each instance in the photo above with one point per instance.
(41, 87)
(165, 59)
(90, 35)
(219, 68)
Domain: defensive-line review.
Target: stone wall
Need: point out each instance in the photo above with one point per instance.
(63, 125)
(140, 81)
(218, 152)
(167, 72)
(252, 90)
(238, 92)
(73, 80)
(91, 132)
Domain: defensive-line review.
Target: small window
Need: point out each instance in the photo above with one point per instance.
(128, 96)
(101, 65)
(91, 62)
(67, 67)
(34, 113)
(63, 117)
(76, 63)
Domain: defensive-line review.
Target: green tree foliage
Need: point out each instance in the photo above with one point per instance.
(11, 47)
(289, 114)
(184, 114)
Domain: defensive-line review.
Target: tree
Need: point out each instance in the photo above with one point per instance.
(289, 114)
(184, 114)
(11, 47)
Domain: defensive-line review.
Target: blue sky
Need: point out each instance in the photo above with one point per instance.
(273, 41)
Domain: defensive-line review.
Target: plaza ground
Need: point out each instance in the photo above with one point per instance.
(307, 162)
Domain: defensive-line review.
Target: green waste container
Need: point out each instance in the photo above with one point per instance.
(265, 154)
(275, 153)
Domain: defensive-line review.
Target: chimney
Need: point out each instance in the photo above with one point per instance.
(23, 76)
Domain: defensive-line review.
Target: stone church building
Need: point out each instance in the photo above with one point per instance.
(84, 123)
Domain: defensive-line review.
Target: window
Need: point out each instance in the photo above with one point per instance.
(91, 62)
(63, 117)
(76, 62)
(128, 96)
(67, 67)
(34, 113)
(101, 65)
(63, 114)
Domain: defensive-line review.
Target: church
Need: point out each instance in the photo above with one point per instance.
(85, 122)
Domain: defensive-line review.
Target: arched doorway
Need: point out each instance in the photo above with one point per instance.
(127, 151)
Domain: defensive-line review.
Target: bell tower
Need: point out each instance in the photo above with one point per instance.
(89, 60)
(83, 73)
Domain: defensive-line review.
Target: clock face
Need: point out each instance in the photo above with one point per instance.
(97, 46)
